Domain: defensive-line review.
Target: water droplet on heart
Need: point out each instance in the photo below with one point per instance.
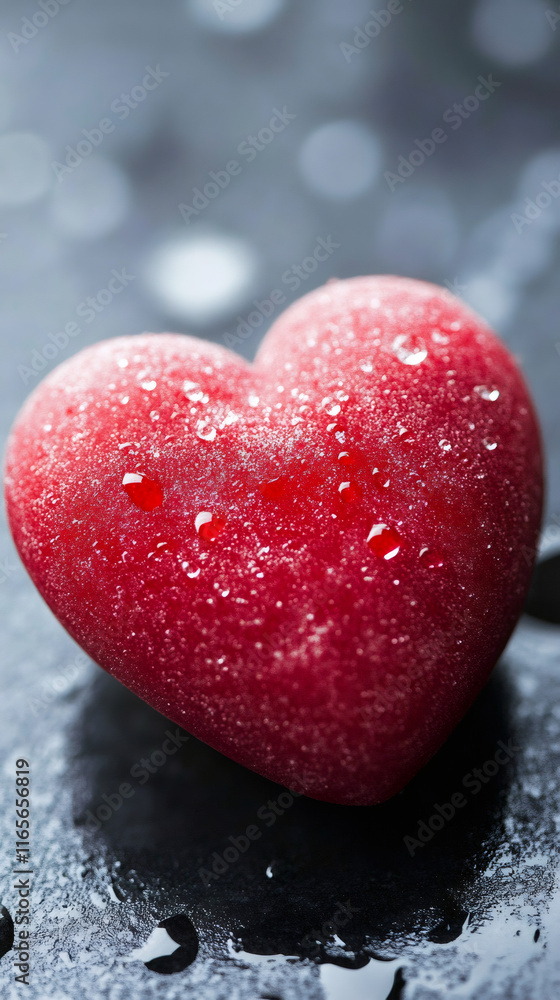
(380, 479)
(405, 435)
(190, 571)
(149, 386)
(332, 408)
(366, 366)
(253, 401)
(274, 489)
(347, 458)
(485, 393)
(194, 393)
(445, 445)
(431, 558)
(209, 526)
(384, 541)
(339, 432)
(145, 493)
(439, 338)
(205, 431)
(489, 444)
(349, 492)
(410, 349)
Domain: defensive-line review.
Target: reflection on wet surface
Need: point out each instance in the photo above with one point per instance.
(327, 883)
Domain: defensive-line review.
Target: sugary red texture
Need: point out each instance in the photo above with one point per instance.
(328, 636)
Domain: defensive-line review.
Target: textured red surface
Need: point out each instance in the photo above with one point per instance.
(271, 627)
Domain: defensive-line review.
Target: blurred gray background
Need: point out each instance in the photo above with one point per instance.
(358, 94)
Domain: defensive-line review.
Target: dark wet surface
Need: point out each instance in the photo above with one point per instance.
(318, 855)
(544, 596)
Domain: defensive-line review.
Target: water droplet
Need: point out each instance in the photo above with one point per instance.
(405, 435)
(349, 492)
(253, 401)
(342, 396)
(445, 445)
(122, 363)
(339, 432)
(439, 338)
(145, 493)
(380, 479)
(194, 393)
(149, 386)
(384, 541)
(491, 394)
(209, 526)
(332, 408)
(430, 558)
(410, 349)
(171, 947)
(274, 489)
(347, 458)
(366, 366)
(489, 444)
(205, 431)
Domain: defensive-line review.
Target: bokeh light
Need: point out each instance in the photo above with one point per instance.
(237, 17)
(25, 171)
(515, 32)
(201, 279)
(341, 160)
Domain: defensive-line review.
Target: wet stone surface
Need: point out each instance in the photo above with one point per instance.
(164, 870)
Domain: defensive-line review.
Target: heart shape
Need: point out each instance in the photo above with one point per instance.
(311, 563)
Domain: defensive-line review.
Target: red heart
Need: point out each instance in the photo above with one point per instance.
(312, 564)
